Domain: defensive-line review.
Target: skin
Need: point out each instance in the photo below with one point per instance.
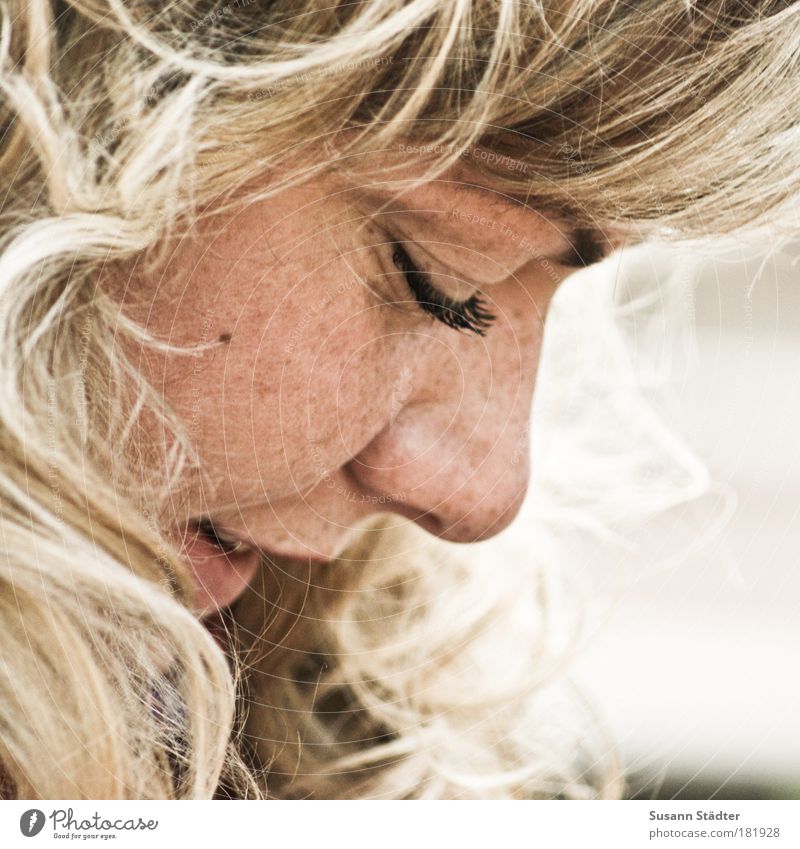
(327, 394)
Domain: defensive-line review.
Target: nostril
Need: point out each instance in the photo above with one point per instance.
(461, 511)
(452, 477)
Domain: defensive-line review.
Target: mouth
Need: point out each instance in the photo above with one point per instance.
(225, 562)
(222, 567)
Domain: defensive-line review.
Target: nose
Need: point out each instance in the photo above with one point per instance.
(455, 456)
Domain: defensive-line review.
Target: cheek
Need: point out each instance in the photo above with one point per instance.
(307, 385)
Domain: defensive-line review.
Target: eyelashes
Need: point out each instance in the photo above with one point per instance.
(471, 314)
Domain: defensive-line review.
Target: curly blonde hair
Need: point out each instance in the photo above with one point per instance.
(123, 124)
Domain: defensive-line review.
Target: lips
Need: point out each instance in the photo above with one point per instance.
(222, 567)
(224, 562)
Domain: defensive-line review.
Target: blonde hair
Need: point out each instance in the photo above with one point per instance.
(123, 125)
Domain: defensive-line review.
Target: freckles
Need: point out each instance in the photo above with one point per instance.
(301, 407)
(350, 382)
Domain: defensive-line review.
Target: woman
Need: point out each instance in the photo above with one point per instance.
(272, 284)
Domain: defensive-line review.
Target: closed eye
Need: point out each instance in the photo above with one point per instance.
(471, 314)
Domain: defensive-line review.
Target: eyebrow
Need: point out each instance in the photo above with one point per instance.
(587, 245)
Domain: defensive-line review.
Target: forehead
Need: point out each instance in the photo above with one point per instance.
(466, 222)
(458, 203)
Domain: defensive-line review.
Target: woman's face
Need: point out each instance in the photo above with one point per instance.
(330, 392)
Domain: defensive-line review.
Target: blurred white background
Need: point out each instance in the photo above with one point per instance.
(695, 661)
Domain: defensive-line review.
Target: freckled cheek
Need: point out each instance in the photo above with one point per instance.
(329, 390)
